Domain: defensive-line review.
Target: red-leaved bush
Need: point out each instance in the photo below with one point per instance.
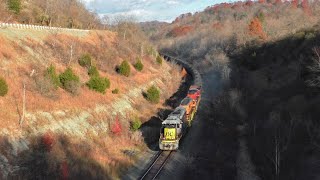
(47, 140)
(116, 127)
(64, 170)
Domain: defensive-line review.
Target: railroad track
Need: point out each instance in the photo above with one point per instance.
(157, 165)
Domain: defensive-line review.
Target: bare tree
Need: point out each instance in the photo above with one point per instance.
(313, 131)
(281, 139)
(123, 24)
(105, 21)
(23, 105)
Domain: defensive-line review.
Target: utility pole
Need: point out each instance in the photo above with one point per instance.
(23, 104)
(141, 50)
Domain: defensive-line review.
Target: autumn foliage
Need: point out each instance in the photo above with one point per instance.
(249, 3)
(218, 7)
(306, 7)
(278, 2)
(255, 28)
(294, 3)
(217, 26)
(181, 31)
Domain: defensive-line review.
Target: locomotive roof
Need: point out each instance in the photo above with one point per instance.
(172, 120)
(178, 112)
(186, 101)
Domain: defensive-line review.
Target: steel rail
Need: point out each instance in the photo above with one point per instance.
(157, 165)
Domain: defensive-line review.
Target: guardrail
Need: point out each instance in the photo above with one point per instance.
(36, 27)
(189, 68)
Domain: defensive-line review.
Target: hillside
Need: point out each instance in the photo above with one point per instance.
(150, 28)
(53, 127)
(212, 34)
(266, 54)
(277, 93)
(57, 13)
(76, 104)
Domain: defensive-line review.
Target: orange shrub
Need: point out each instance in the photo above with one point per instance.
(217, 26)
(255, 28)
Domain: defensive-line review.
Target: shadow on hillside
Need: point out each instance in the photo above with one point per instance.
(51, 157)
(182, 92)
(282, 110)
(151, 129)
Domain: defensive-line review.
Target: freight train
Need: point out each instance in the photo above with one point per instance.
(179, 120)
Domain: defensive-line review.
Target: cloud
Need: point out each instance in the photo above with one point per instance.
(172, 2)
(147, 10)
(137, 14)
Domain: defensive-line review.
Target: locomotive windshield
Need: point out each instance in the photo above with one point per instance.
(177, 112)
(192, 91)
(169, 126)
(186, 101)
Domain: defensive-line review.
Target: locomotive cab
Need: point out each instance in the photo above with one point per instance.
(190, 106)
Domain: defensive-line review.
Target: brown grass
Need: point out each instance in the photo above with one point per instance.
(6, 49)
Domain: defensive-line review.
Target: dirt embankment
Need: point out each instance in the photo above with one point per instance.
(66, 135)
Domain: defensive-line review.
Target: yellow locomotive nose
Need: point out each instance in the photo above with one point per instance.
(170, 133)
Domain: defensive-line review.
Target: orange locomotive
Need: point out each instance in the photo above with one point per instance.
(195, 93)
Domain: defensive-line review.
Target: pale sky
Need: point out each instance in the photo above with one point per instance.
(148, 10)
